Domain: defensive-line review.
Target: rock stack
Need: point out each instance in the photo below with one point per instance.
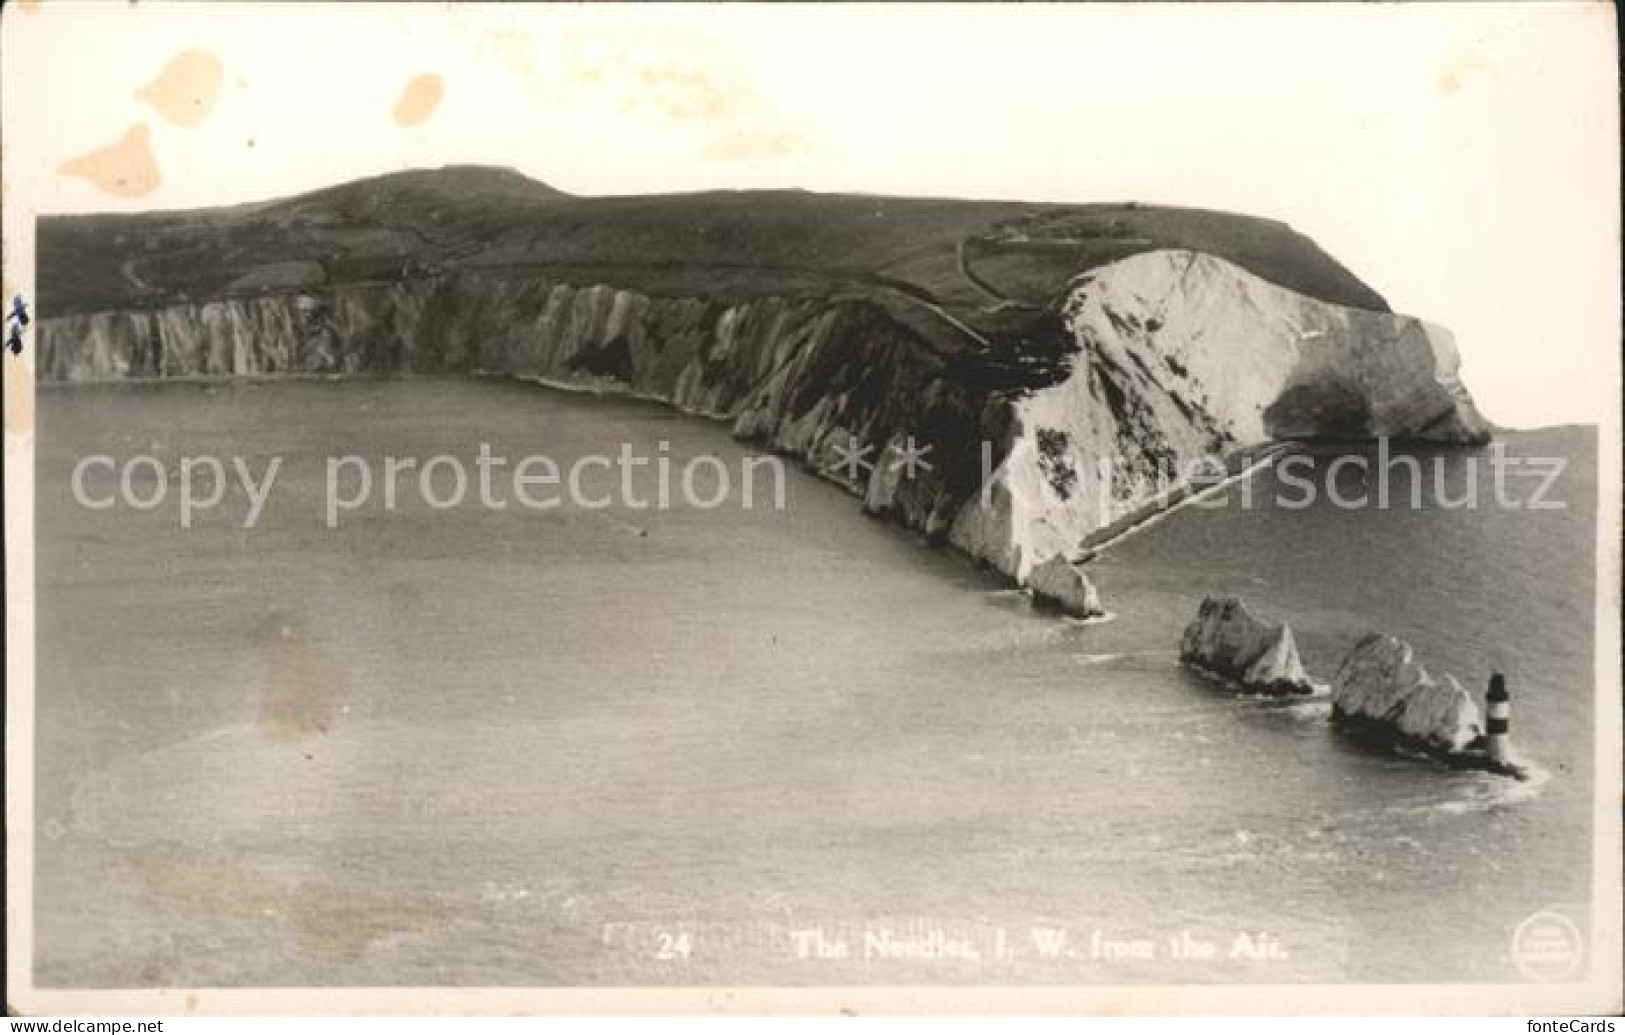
(1229, 642)
(1059, 584)
(1381, 693)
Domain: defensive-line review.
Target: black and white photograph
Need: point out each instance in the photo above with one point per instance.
(812, 508)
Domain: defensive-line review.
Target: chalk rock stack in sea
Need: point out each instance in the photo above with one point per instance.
(1059, 584)
(1228, 641)
(1383, 692)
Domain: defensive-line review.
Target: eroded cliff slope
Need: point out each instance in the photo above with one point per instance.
(1181, 361)
(1056, 366)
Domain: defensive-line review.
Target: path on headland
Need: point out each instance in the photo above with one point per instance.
(1000, 300)
(970, 277)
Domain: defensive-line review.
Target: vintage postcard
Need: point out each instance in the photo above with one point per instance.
(757, 508)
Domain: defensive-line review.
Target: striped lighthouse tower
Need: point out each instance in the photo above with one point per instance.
(1498, 709)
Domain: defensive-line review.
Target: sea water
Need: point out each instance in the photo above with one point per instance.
(581, 746)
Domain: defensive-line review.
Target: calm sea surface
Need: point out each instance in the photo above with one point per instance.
(568, 747)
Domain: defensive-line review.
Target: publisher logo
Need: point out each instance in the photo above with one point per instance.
(1547, 946)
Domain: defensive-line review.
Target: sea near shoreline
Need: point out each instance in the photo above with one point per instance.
(516, 748)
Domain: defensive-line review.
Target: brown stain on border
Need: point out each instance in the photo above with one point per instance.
(125, 168)
(19, 398)
(419, 99)
(187, 89)
(702, 87)
(1462, 68)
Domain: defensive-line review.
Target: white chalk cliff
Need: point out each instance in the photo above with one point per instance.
(1227, 640)
(1182, 359)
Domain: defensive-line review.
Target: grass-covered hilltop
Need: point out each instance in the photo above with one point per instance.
(983, 262)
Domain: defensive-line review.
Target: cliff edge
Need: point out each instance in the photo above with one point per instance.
(1127, 345)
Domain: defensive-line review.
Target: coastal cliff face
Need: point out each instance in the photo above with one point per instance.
(1382, 690)
(1158, 363)
(807, 377)
(1182, 359)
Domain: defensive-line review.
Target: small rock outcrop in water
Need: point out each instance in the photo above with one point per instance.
(1059, 584)
(1229, 641)
(1383, 693)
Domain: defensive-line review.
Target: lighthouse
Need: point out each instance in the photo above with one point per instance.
(1498, 730)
